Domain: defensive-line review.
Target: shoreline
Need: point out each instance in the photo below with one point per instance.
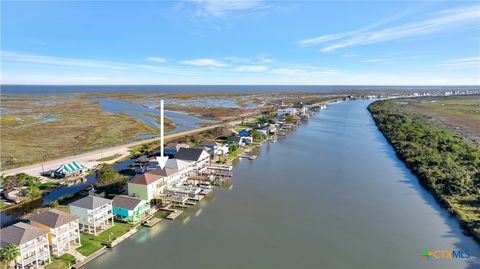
(467, 227)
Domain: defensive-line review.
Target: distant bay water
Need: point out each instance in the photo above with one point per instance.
(60, 89)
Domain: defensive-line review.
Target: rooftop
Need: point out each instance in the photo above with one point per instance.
(152, 176)
(127, 202)
(189, 154)
(19, 233)
(90, 202)
(54, 218)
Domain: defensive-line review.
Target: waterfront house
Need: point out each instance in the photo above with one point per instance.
(171, 149)
(237, 140)
(217, 149)
(69, 170)
(178, 164)
(289, 111)
(63, 229)
(199, 156)
(95, 214)
(263, 131)
(153, 182)
(31, 241)
(130, 209)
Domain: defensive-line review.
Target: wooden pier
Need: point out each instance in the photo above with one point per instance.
(152, 222)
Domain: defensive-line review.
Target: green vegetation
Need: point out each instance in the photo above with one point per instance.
(107, 177)
(110, 158)
(463, 111)
(233, 150)
(257, 136)
(19, 180)
(48, 185)
(443, 160)
(8, 254)
(62, 262)
(32, 184)
(79, 125)
(91, 243)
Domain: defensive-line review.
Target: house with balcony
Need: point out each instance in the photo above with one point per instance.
(199, 156)
(130, 209)
(153, 182)
(95, 214)
(63, 230)
(32, 243)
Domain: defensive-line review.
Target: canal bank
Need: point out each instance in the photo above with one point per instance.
(332, 194)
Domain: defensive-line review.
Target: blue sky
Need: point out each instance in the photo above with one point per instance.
(241, 42)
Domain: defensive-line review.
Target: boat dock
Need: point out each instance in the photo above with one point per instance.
(151, 222)
(175, 213)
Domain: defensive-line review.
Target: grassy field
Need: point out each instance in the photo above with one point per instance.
(40, 128)
(91, 243)
(458, 111)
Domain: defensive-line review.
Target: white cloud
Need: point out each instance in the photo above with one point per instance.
(156, 59)
(220, 8)
(252, 68)
(464, 63)
(204, 62)
(383, 61)
(437, 22)
(18, 57)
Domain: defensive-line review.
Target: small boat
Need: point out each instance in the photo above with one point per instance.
(205, 186)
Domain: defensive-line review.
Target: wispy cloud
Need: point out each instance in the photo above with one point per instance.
(204, 62)
(252, 68)
(260, 59)
(383, 61)
(18, 57)
(156, 59)
(220, 8)
(436, 22)
(464, 63)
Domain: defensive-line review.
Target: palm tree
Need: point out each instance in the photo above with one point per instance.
(8, 254)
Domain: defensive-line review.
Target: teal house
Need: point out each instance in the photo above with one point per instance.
(130, 209)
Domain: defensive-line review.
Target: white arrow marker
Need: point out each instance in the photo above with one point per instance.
(162, 160)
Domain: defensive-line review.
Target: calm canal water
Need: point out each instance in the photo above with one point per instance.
(332, 194)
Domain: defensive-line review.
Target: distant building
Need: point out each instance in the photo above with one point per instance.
(217, 149)
(240, 140)
(31, 241)
(63, 228)
(95, 214)
(289, 111)
(130, 209)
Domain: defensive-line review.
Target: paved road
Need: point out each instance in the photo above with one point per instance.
(89, 159)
